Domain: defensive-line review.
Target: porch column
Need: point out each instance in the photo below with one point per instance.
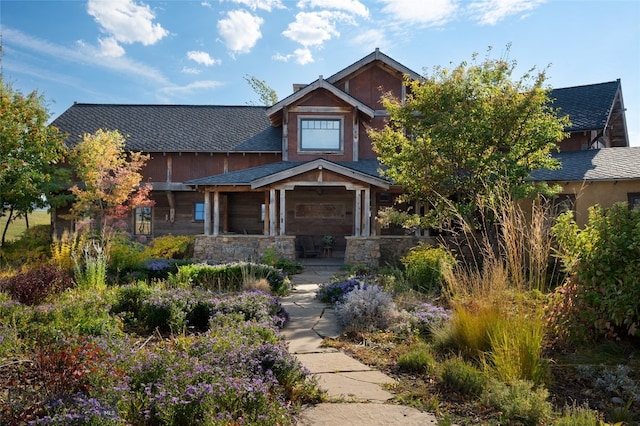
(272, 212)
(367, 213)
(207, 212)
(216, 213)
(265, 217)
(283, 211)
(358, 212)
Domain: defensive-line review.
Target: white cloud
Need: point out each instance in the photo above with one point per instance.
(490, 12)
(126, 22)
(352, 6)
(191, 87)
(371, 38)
(300, 56)
(314, 28)
(110, 48)
(240, 30)
(188, 70)
(420, 12)
(267, 5)
(202, 58)
(85, 55)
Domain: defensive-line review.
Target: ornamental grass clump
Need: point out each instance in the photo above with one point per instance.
(367, 309)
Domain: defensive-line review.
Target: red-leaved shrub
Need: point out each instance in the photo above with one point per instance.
(33, 286)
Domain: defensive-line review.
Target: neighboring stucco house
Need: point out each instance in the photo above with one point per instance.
(597, 176)
(245, 178)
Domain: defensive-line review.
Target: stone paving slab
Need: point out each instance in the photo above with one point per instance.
(331, 363)
(304, 342)
(364, 414)
(356, 385)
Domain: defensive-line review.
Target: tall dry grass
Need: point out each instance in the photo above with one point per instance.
(503, 259)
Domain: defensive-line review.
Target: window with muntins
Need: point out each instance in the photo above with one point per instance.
(142, 221)
(198, 212)
(321, 134)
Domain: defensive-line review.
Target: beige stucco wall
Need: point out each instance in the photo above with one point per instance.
(605, 193)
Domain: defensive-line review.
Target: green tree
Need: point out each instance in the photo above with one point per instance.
(110, 177)
(29, 153)
(462, 131)
(267, 95)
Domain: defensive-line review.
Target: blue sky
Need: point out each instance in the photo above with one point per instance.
(197, 52)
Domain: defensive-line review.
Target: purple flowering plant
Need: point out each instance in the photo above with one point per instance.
(334, 292)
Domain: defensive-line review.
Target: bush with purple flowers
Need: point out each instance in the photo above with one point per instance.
(335, 291)
(368, 308)
(236, 370)
(425, 316)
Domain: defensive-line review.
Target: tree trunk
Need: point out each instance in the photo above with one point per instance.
(6, 226)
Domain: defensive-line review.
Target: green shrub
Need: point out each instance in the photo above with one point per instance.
(290, 267)
(170, 247)
(125, 255)
(418, 360)
(519, 402)
(460, 376)
(130, 301)
(230, 277)
(424, 265)
(32, 247)
(601, 259)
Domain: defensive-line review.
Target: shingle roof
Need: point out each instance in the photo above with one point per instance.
(588, 106)
(245, 177)
(592, 165)
(176, 128)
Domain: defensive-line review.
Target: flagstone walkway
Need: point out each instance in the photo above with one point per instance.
(355, 390)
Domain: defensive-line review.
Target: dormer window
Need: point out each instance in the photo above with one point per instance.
(320, 134)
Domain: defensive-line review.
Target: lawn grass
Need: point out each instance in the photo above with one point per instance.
(18, 226)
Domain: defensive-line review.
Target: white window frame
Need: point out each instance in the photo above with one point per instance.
(311, 150)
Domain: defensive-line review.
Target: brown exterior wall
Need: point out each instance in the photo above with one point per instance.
(184, 224)
(323, 99)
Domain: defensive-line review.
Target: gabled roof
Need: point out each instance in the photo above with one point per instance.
(366, 170)
(589, 107)
(320, 83)
(606, 164)
(376, 55)
(176, 128)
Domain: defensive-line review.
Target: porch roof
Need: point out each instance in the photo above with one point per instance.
(365, 169)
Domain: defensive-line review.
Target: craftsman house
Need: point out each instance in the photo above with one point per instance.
(245, 178)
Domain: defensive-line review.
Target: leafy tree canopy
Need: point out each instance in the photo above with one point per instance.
(267, 95)
(461, 131)
(29, 152)
(110, 177)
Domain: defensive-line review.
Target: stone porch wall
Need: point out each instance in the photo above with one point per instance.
(380, 250)
(370, 251)
(236, 248)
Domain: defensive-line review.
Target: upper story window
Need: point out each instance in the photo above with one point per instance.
(321, 134)
(634, 200)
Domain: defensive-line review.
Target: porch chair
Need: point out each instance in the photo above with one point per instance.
(308, 247)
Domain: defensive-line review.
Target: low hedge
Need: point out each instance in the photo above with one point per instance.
(231, 276)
